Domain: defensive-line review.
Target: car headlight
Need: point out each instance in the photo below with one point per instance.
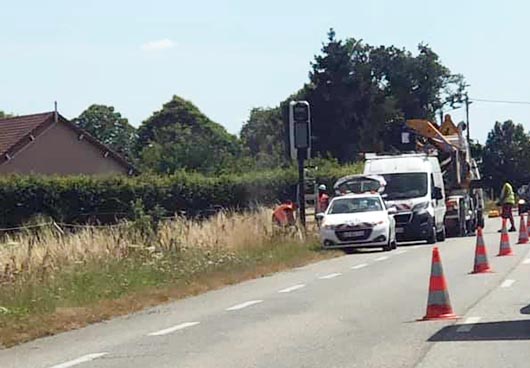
(328, 227)
(420, 207)
(378, 223)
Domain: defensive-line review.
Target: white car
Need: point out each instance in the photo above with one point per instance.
(358, 220)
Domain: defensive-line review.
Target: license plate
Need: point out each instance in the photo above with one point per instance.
(400, 230)
(353, 234)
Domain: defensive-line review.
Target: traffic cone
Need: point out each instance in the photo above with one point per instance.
(438, 303)
(481, 256)
(523, 231)
(505, 248)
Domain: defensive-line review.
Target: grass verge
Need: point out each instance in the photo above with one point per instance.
(55, 283)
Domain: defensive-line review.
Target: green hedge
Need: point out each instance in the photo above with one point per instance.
(81, 198)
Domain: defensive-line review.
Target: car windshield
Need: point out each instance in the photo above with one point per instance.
(355, 205)
(405, 185)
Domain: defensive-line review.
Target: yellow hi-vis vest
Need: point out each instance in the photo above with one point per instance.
(507, 195)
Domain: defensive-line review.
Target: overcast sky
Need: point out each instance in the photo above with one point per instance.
(230, 56)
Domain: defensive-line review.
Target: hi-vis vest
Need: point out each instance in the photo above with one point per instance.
(507, 195)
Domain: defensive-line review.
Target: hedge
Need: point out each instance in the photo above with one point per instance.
(80, 199)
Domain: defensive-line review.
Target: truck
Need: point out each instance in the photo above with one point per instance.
(435, 188)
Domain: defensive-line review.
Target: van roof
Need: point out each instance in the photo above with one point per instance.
(401, 164)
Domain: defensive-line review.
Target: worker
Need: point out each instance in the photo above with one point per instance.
(323, 198)
(507, 201)
(283, 215)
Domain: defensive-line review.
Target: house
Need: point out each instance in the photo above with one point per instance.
(49, 144)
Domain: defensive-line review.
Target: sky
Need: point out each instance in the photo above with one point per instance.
(230, 56)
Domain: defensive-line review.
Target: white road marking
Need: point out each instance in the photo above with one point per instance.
(468, 324)
(383, 258)
(330, 276)
(83, 359)
(398, 252)
(526, 261)
(507, 283)
(244, 305)
(359, 266)
(173, 329)
(292, 288)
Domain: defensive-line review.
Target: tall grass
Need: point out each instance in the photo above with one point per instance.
(47, 271)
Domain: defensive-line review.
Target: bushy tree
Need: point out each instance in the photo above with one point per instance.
(506, 155)
(108, 126)
(180, 136)
(360, 96)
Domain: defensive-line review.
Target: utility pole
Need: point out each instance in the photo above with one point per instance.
(467, 118)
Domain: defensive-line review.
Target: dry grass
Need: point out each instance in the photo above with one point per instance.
(51, 282)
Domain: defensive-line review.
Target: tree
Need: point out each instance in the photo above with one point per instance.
(360, 96)
(108, 126)
(180, 136)
(506, 155)
(4, 115)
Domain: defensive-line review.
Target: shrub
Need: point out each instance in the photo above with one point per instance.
(84, 199)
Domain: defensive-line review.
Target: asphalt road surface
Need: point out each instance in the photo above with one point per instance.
(359, 310)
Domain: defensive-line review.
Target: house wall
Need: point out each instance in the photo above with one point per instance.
(58, 151)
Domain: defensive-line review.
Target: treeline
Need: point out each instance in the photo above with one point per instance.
(505, 156)
(359, 94)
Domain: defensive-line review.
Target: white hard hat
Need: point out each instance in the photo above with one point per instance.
(321, 187)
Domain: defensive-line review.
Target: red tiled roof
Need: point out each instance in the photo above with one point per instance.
(12, 130)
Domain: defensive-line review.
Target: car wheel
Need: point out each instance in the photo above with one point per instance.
(431, 239)
(441, 235)
(388, 247)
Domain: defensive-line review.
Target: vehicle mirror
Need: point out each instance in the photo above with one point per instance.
(392, 210)
(320, 216)
(437, 193)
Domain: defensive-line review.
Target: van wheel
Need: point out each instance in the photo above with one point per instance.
(441, 235)
(432, 236)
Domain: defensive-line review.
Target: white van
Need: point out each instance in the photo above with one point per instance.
(414, 185)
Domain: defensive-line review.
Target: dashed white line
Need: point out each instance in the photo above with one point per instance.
(359, 266)
(83, 359)
(526, 261)
(244, 305)
(507, 283)
(292, 288)
(330, 276)
(383, 258)
(468, 324)
(173, 329)
(398, 252)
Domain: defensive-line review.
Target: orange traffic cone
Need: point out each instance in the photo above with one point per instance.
(505, 248)
(481, 256)
(438, 303)
(523, 231)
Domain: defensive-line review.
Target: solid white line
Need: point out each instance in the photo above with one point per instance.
(173, 329)
(526, 261)
(507, 283)
(359, 266)
(330, 276)
(83, 359)
(467, 325)
(383, 258)
(244, 305)
(292, 288)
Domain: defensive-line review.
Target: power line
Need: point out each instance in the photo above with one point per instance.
(500, 101)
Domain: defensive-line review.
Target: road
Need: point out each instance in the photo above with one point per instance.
(359, 310)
